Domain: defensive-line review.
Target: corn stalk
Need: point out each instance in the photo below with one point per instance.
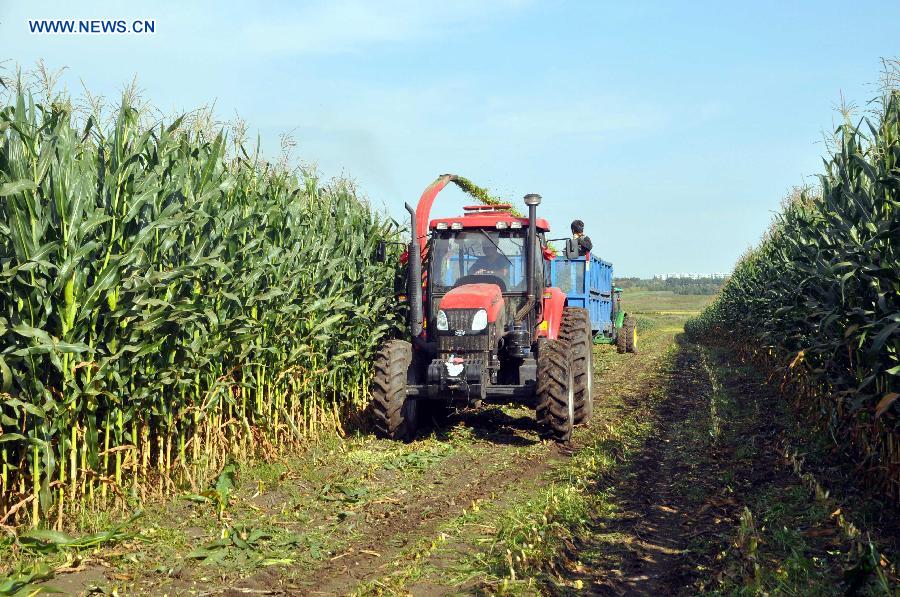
(167, 304)
(821, 295)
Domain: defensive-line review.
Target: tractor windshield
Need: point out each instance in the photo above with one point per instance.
(469, 256)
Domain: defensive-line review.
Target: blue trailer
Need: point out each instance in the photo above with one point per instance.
(588, 283)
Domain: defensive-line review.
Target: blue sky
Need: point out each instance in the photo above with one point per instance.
(672, 129)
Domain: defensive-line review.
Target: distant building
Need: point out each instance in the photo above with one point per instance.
(691, 276)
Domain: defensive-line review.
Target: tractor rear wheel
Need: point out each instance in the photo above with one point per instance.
(621, 343)
(630, 328)
(555, 410)
(393, 412)
(576, 331)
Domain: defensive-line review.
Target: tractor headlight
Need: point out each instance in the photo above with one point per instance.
(442, 323)
(479, 321)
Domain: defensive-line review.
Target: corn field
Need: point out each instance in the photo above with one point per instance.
(820, 295)
(168, 302)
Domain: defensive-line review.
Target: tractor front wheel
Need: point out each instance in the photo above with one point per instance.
(555, 410)
(393, 412)
(575, 329)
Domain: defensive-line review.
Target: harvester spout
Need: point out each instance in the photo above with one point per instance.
(423, 209)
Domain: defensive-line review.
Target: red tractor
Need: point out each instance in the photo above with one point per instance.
(484, 324)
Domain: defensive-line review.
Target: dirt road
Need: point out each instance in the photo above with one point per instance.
(668, 491)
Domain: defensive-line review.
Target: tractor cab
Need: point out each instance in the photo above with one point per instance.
(482, 256)
(480, 303)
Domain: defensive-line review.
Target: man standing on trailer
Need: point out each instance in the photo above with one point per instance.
(581, 240)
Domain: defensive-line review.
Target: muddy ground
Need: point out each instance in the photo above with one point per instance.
(692, 478)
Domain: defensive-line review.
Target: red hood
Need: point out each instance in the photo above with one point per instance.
(475, 296)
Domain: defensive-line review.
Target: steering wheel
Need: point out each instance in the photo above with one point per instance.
(481, 279)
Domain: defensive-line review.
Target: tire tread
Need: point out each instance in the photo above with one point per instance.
(393, 415)
(575, 330)
(553, 379)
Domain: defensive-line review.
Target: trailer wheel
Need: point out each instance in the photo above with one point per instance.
(621, 343)
(576, 331)
(630, 329)
(555, 410)
(394, 414)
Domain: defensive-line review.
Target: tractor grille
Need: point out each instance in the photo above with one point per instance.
(464, 344)
(460, 319)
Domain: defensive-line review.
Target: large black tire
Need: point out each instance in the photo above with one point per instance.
(621, 343)
(630, 328)
(576, 331)
(394, 414)
(555, 410)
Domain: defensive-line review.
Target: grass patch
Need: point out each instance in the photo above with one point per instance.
(664, 302)
(295, 512)
(789, 538)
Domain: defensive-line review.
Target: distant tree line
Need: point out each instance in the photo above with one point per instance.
(676, 285)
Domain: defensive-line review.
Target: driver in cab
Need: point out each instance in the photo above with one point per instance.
(492, 263)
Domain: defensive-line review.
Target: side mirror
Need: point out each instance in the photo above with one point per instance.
(571, 249)
(381, 251)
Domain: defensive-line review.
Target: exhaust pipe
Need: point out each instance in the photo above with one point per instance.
(414, 282)
(532, 200)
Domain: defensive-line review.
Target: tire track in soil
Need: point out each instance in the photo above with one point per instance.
(407, 522)
(399, 522)
(618, 377)
(471, 476)
(642, 549)
(480, 473)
